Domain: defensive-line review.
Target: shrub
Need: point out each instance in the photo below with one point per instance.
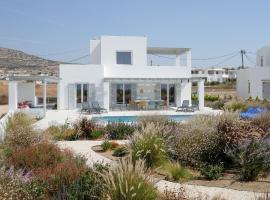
(156, 119)
(20, 132)
(85, 127)
(120, 151)
(211, 172)
(61, 132)
(262, 122)
(177, 172)
(106, 145)
(197, 141)
(14, 185)
(38, 156)
(212, 98)
(234, 130)
(129, 180)
(119, 131)
(252, 157)
(236, 105)
(149, 145)
(61, 175)
(219, 104)
(96, 134)
(89, 186)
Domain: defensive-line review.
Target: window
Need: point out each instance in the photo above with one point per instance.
(123, 58)
(127, 93)
(79, 93)
(261, 61)
(163, 92)
(123, 93)
(119, 93)
(171, 94)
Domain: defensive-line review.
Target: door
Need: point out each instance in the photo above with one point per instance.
(82, 90)
(266, 90)
(71, 96)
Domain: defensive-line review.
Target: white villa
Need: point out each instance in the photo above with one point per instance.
(255, 82)
(118, 78)
(220, 75)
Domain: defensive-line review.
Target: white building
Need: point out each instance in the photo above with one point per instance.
(255, 82)
(119, 76)
(212, 74)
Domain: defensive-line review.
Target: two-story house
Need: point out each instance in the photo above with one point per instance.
(117, 77)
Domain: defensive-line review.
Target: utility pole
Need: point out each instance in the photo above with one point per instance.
(243, 52)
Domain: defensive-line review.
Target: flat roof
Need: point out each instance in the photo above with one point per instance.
(166, 50)
(51, 79)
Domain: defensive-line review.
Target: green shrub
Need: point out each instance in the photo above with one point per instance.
(219, 104)
(149, 145)
(211, 172)
(20, 132)
(236, 106)
(96, 134)
(37, 156)
(119, 131)
(252, 157)
(106, 145)
(129, 180)
(120, 151)
(177, 172)
(211, 98)
(61, 132)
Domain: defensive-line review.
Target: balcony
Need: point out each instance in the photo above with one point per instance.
(168, 72)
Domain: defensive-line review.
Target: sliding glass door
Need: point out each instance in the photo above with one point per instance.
(82, 90)
(123, 93)
(167, 93)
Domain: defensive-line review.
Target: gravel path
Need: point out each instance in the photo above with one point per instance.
(83, 148)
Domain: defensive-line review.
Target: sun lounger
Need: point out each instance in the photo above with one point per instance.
(185, 107)
(96, 107)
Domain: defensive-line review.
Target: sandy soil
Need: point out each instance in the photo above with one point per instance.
(3, 109)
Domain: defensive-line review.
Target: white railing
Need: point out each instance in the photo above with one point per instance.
(147, 72)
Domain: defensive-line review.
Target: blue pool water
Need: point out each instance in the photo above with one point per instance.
(130, 119)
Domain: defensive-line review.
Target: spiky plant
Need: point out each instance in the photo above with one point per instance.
(150, 144)
(128, 181)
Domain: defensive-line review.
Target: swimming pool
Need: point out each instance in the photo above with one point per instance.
(130, 119)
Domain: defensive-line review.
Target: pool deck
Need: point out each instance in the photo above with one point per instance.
(61, 116)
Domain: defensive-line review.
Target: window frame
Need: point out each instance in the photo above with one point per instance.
(124, 51)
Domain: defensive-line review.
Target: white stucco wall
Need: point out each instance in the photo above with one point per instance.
(71, 74)
(111, 44)
(255, 76)
(26, 92)
(265, 53)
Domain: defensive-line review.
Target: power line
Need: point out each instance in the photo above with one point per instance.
(62, 53)
(79, 58)
(210, 58)
(249, 59)
(227, 59)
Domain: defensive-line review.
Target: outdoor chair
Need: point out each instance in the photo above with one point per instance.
(185, 107)
(195, 105)
(87, 107)
(96, 107)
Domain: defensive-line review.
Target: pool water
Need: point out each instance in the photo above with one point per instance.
(130, 119)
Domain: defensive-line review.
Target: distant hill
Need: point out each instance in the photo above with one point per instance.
(14, 61)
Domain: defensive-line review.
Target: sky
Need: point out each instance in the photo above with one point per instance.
(61, 29)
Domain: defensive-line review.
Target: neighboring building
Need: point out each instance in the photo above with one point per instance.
(211, 74)
(255, 82)
(119, 76)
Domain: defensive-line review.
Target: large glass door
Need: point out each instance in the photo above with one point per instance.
(81, 93)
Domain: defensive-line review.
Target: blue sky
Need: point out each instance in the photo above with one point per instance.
(61, 29)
